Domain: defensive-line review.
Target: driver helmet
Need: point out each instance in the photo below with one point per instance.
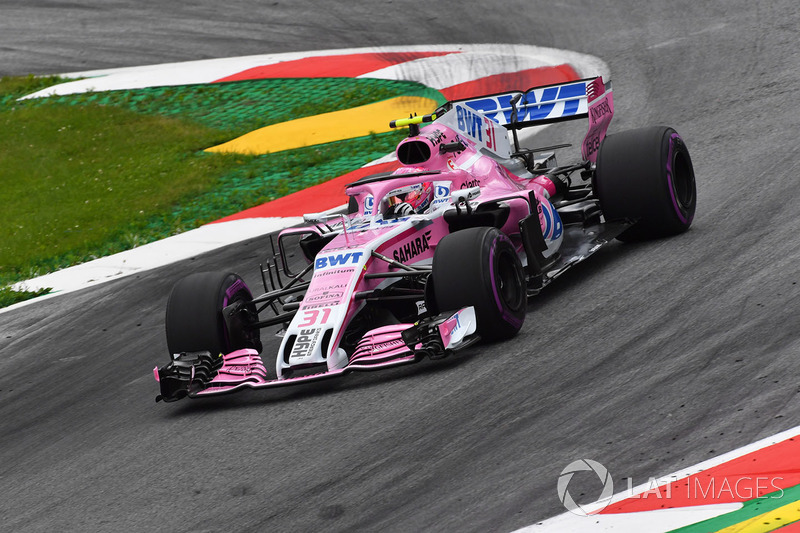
(420, 198)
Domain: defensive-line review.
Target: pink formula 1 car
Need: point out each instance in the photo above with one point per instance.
(437, 255)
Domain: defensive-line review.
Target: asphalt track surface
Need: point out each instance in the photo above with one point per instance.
(648, 358)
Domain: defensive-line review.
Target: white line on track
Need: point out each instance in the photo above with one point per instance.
(477, 61)
(152, 255)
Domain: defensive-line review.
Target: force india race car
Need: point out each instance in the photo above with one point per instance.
(438, 254)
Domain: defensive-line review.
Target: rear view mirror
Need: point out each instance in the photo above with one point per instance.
(294, 250)
(462, 195)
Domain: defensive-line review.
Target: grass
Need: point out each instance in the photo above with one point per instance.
(85, 176)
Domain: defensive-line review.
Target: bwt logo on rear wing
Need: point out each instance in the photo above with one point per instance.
(539, 105)
(588, 98)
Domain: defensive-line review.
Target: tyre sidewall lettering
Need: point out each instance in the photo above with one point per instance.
(676, 147)
(495, 257)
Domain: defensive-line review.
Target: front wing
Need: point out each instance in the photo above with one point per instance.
(198, 374)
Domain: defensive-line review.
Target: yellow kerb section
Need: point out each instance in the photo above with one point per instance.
(329, 127)
(769, 521)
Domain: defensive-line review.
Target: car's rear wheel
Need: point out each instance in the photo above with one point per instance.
(194, 320)
(646, 175)
(480, 267)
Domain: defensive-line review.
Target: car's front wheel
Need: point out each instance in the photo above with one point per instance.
(194, 320)
(480, 267)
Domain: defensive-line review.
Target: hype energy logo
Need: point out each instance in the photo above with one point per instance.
(304, 345)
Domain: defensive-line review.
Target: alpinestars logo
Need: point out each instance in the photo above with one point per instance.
(413, 248)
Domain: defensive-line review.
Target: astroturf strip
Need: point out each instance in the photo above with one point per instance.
(750, 510)
(88, 175)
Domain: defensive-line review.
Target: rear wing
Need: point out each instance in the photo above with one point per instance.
(478, 118)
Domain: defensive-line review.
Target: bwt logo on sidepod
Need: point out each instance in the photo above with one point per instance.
(337, 260)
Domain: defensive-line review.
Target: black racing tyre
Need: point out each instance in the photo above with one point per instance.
(194, 315)
(480, 267)
(646, 174)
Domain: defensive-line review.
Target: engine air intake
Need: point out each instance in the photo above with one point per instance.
(413, 152)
